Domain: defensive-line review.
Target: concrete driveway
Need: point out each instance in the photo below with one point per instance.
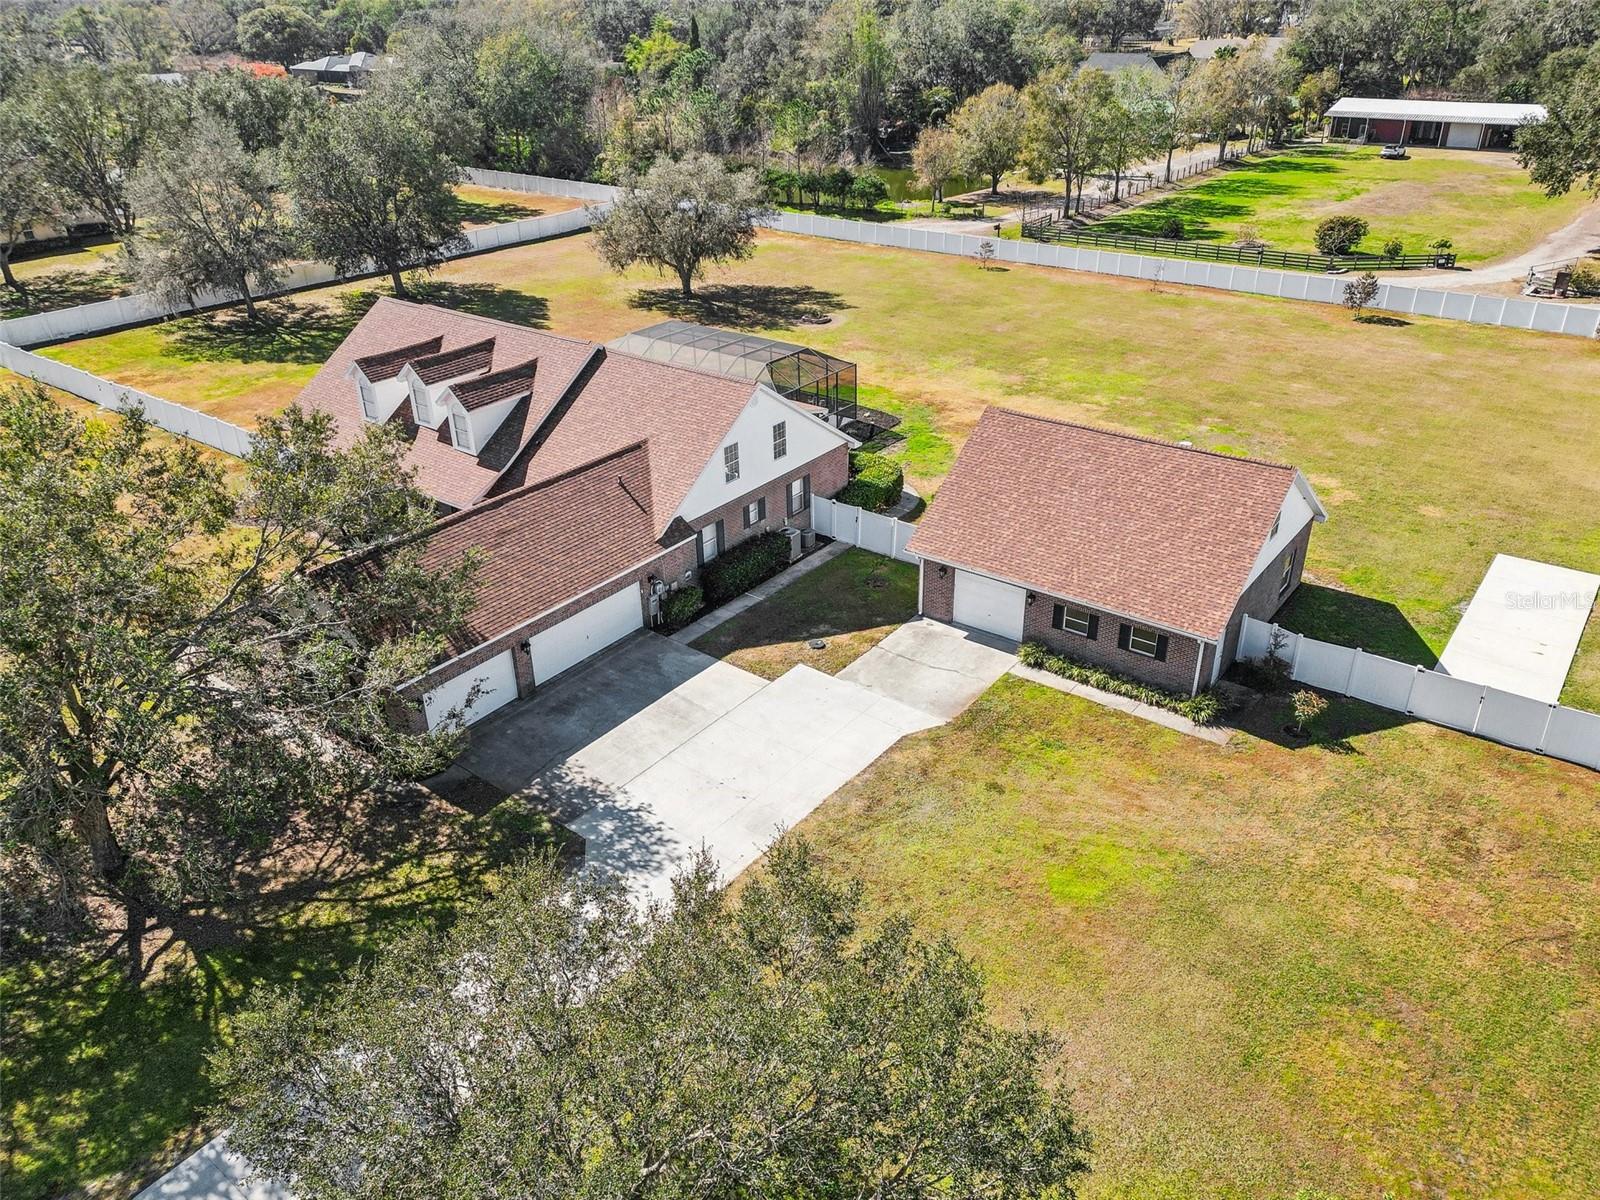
(932, 666)
(655, 751)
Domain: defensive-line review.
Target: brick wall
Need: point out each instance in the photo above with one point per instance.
(1175, 674)
(828, 472)
(1262, 599)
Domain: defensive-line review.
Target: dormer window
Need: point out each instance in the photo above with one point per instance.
(461, 431)
(421, 406)
(369, 402)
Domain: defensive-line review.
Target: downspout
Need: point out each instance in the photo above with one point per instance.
(1200, 657)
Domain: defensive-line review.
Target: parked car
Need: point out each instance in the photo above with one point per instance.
(1393, 150)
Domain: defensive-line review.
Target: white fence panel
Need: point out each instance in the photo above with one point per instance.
(1575, 736)
(847, 523)
(1446, 700)
(822, 515)
(1324, 665)
(876, 533)
(1515, 720)
(1382, 681)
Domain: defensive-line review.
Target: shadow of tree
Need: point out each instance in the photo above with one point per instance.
(1351, 619)
(107, 1076)
(492, 212)
(62, 289)
(484, 300)
(1381, 319)
(743, 305)
(1271, 719)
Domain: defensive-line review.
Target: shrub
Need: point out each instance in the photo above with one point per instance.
(1393, 249)
(1307, 706)
(1339, 235)
(1172, 229)
(780, 184)
(1441, 245)
(837, 184)
(682, 605)
(869, 190)
(1203, 709)
(738, 570)
(1360, 292)
(1586, 279)
(876, 481)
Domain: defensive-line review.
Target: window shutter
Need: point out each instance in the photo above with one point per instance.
(1161, 647)
(1124, 632)
(1058, 616)
(806, 494)
(1094, 626)
(761, 509)
(699, 549)
(722, 536)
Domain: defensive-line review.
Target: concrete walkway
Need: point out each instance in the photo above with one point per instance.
(1145, 712)
(726, 612)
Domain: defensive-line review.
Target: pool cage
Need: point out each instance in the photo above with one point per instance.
(798, 373)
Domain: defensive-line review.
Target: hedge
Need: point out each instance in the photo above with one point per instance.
(1202, 709)
(876, 481)
(681, 606)
(736, 571)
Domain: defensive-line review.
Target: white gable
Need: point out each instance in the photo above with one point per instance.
(1300, 505)
(807, 437)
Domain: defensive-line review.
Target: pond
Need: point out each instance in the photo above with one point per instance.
(903, 184)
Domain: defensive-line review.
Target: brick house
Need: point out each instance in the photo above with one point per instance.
(1131, 554)
(593, 480)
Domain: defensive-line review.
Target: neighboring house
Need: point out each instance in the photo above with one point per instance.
(71, 228)
(1132, 554)
(1205, 49)
(351, 70)
(594, 479)
(1454, 124)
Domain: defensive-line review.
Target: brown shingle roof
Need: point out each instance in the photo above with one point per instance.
(449, 364)
(548, 542)
(1138, 527)
(496, 386)
(388, 363)
(682, 412)
(444, 472)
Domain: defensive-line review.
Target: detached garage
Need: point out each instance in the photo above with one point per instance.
(989, 605)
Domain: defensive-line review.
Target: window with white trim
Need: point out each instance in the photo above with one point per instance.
(755, 512)
(710, 545)
(1071, 620)
(1288, 573)
(1144, 641)
(730, 462)
(421, 406)
(799, 495)
(461, 431)
(780, 439)
(369, 403)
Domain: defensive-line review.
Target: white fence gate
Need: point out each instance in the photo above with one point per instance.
(869, 530)
(1566, 733)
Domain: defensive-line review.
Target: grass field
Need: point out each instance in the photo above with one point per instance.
(1358, 970)
(1482, 202)
(106, 1085)
(1433, 444)
(852, 603)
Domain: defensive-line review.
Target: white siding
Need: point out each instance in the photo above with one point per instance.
(1292, 517)
(808, 438)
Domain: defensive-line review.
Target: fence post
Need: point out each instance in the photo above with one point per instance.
(1349, 676)
(1410, 690)
(1550, 715)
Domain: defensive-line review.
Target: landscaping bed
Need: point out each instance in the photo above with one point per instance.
(851, 603)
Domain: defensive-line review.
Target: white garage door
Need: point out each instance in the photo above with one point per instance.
(1463, 137)
(585, 633)
(988, 604)
(496, 681)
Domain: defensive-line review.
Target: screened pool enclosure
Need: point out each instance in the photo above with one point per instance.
(797, 373)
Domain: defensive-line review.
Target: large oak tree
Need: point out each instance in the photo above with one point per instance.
(179, 674)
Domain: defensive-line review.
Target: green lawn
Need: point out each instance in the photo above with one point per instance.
(852, 602)
(1366, 968)
(1434, 444)
(105, 1086)
(1482, 202)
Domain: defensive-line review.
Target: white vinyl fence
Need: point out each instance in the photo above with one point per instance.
(869, 530)
(122, 311)
(544, 185)
(1553, 729)
(1512, 312)
(164, 414)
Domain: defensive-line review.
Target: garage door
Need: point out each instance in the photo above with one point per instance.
(496, 681)
(1463, 137)
(585, 633)
(988, 604)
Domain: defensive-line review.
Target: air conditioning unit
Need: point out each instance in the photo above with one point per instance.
(795, 541)
(808, 539)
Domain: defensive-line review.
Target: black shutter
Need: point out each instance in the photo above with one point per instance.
(1094, 626)
(1161, 647)
(1058, 617)
(806, 500)
(722, 536)
(761, 509)
(699, 550)
(1124, 632)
